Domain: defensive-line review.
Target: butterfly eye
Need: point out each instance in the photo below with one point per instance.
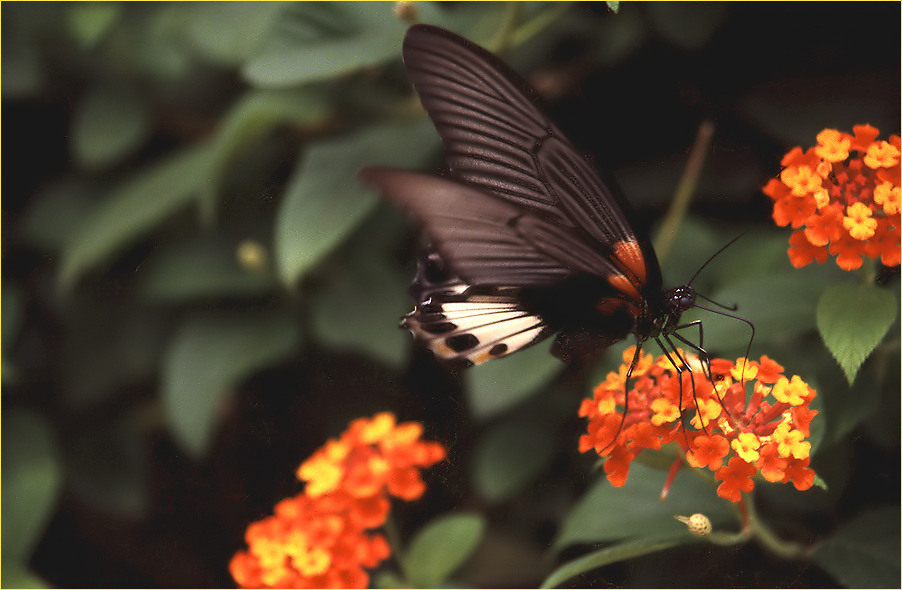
(682, 298)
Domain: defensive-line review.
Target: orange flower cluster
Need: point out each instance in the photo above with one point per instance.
(842, 198)
(765, 434)
(319, 539)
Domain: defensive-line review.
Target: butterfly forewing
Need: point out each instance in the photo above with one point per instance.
(497, 139)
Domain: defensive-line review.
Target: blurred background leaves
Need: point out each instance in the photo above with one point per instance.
(197, 292)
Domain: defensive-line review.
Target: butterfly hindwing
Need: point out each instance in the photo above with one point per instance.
(486, 240)
(458, 322)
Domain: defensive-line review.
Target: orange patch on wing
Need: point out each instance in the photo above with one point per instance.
(611, 305)
(625, 286)
(479, 358)
(441, 349)
(630, 253)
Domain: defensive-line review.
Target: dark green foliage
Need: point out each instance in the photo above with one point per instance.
(197, 292)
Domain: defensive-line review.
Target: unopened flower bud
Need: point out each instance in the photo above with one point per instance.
(406, 11)
(698, 524)
(252, 255)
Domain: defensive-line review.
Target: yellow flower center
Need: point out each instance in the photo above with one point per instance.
(746, 446)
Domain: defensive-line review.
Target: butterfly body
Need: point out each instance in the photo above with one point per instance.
(526, 239)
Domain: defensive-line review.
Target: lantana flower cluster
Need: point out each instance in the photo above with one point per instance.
(321, 538)
(842, 198)
(737, 436)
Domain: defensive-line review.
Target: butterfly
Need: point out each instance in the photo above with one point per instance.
(527, 240)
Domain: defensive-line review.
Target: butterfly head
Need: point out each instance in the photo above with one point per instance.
(680, 299)
(676, 301)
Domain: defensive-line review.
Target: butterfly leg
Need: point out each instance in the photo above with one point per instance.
(626, 392)
(699, 348)
(703, 355)
(680, 367)
(748, 349)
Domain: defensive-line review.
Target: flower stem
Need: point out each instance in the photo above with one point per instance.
(539, 22)
(685, 191)
(868, 272)
(767, 538)
(504, 38)
(394, 541)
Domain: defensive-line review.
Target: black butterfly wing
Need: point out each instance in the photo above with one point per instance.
(530, 239)
(497, 139)
(478, 294)
(486, 240)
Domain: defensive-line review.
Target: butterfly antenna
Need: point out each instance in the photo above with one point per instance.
(748, 349)
(718, 304)
(715, 255)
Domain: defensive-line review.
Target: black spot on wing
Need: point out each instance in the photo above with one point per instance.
(498, 349)
(462, 342)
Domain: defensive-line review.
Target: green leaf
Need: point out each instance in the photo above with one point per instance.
(108, 124)
(201, 266)
(387, 579)
(210, 355)
(687, 25)
(56, 213)
(694, 242)
(32, 480)
(89, 21)
(865, 552)
(780, 305)
(441, 547)
(758, 253)
(324, 59)
(23, 74)
(852, 320)
(107, 466)
(366, 270)
(12, 310)
(248, 122)
(840, 101)
(615, 553)
(151, 43)
(133, 209)
(510, 456)
(246, 24)
(107, 343)
(322, 41)
(17, 575)
(612, 40)
(606, 513)
(499, 385)
(324, 201)
(846, 406)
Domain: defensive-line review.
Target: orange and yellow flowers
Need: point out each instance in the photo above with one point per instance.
(319, 538)
(842, 198)
(750, 420)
